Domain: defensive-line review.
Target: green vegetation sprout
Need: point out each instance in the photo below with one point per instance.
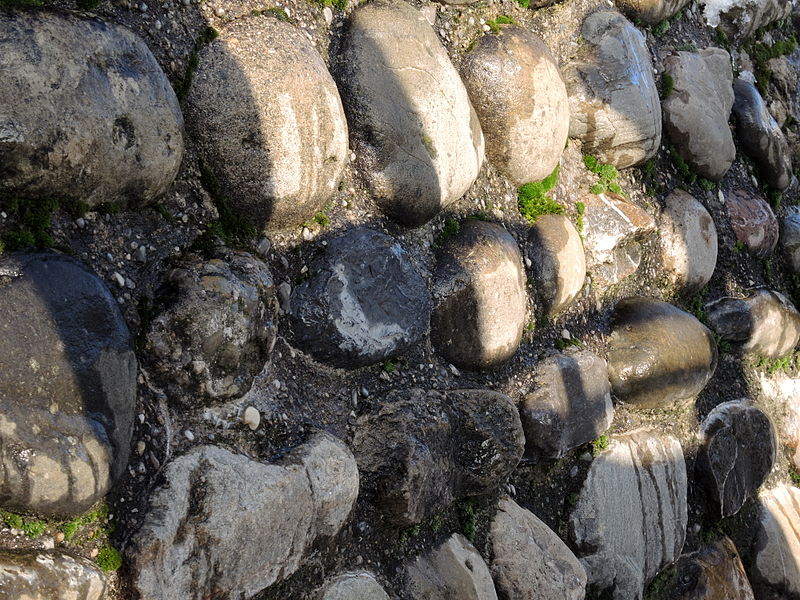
(108, 558)
(600, 444)
(667, 85)
(607, 175)
(533, 202)
(494, 24)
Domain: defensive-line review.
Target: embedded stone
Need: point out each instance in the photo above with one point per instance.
(753, 222)
(49, 575)
(742, 18)
(790, 237)
(774, 570)
(650, 12)
(715, 571)
(354, 586)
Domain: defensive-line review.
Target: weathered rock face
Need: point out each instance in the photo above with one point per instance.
(571, 405)
(658, 354)
(688, 242)
(420, 450)
(765, 322)
(353, 586)
(627, 536)
(413, 126)
(775, 567)
(741, 19)
(737, 453)
(226, 526)
(453, 570)
(268, 122)
(529, 561)
(760, 135)
(784, 390)
(753, 222)
(650, 12)
(216, 356)
(521, 100)
(49, 576)
(613, 97)
(87, 111)
(480, 300)
(696, 112)
(714, 572)
(364, 302)
(67, 386)
(613, 229)
(790, 237)
(557, 260)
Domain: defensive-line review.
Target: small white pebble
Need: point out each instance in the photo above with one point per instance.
(143, 7)
(189, 435)
(328, 14)
(307, 235)
(59, 537)
(80, 222)
(94, 552)
(219, 12)
(565, 334)
(251, 418)
(119, 279)
(140, 447)
(141, 417)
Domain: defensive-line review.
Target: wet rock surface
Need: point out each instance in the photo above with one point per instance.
(658, 354)
(88, 113)
(614, 101)
(49, 576)
(696, 112)
(570, 406)
(753, 222)
(626, 537)
(353, 586)
(480, 305)
(67, 386)
(268, 121)
(412, 122)
(737, 453)
(364, 302)
(715, 571)
(517, 90)
(775, 570)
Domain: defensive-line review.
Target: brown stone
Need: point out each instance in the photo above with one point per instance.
(712, 573)
(753, 222)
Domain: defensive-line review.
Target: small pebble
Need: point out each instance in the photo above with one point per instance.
(94, 552)
(143, 7)
(119, 279)
(307, 235)
(141, 254)
(251, 418)
(140, 447)
(189, 435)
(328, 14)
(263, 247)
(219, 12)
(80, 222)
(565, 334)
(59, 537)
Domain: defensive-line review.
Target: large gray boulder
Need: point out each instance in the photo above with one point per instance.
(760, 136)
(480, 304)
(365, 301)
(353, 586)
(216, 356)
(688, 242)
(774, 569)
(67, 386)
(650, 12)
(529, 561)
(268, 122)
(49, 575)
(87, 112)
(753, 222)
(226, 526)
(454, 569)
(614, 105)
(741, 19)
(696, 113)
(570, 406)
(418, 139)
(521, 100)
(630, 519)
(790, 237)
(765, 322)
(715, 571)
(737, 451)
(658, 354)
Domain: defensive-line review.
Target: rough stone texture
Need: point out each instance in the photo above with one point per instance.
(529, 561)
(268, 122)
(630, 520)
(226, 526)
(688, 242)
(790, 237)
(353, 586)
(67, 386)
(784, 390)
(712, 573)
(613, 97)
(453, 570)
(216, 356)
(612, 230)
(87, 111)
(570, 406)
(480, 304)
(521, 100)
(650, 12)
(736, 454)
(413, 127)
(696, 112)
(742, 18)
(557, 260)
(765, 322)
(775, 568)
(760, 136)
(49, 576)
(364, 302)
(753, 222)
(420, 450)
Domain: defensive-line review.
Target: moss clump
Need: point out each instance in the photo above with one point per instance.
(524, 3)
(580, 208)
(451, 227)
(533, 201)
(607, 175)
(35, 220)
(761, 53)
(231, 228)
(661, 28)
(706, 184)
(208, 35)
(667, 85)
(338, 4)
(600, 444)
(33, 528)
(680, 164)
(494, 24)
(109, 558)
(322, 219)
(468, 519)
(563, 344)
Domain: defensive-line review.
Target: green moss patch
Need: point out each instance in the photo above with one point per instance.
(533, 201)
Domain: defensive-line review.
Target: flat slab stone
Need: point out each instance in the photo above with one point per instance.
(49, 575)
(775, 569)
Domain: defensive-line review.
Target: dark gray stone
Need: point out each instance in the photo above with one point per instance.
(760, 136)
(353, 586)
(790, 237)
(364, 302)
(218, 355)
(737, 453)
(712, 573)
(49, 575)
(87, 112)
(67, 386)
(658, 354)
(570, 406)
